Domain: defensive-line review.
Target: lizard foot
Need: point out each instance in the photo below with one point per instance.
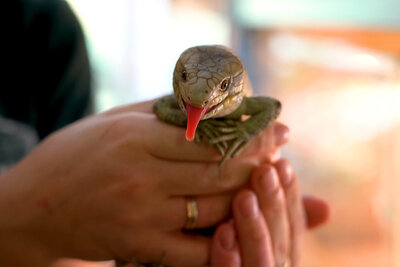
(207, 128)
(228, 136)
(235, 134)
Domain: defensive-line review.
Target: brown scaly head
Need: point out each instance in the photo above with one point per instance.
(209, 82)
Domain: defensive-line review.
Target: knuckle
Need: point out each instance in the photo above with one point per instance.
(276, 202)
(258, 235)
(233, 175)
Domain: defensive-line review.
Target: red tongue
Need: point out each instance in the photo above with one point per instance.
(193, 117)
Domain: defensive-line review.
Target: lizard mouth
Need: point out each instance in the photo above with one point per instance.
(208, 109)
(194, 115)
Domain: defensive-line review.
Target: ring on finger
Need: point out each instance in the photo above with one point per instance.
(192, 212)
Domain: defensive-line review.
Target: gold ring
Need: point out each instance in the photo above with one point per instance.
(191, 212)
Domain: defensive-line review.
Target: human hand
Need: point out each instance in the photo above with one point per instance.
(268, 221)
(316, 211)
(117, 183)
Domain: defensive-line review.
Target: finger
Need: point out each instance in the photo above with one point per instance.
(145, 107)
(187, 250)
(265, 145)
(317, 211)
(294, 207)
(271, 198)
(224, 248)
(68, 262)
(190, 178)
(253, 235)
(212, 209)
(167, 141)
(173, 249)
(281, 133)
(157, 138)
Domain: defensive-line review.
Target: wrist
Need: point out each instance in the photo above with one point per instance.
(19, 249)
(20, 241)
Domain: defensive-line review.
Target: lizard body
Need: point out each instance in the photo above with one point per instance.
(212, 92)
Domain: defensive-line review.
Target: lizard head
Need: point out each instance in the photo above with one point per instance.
(208, 83)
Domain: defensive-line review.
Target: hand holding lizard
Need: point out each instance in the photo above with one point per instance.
(117, 182)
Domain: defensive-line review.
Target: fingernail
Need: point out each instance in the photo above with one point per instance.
(248, 206)
(227, 237)
(281, 134)
(269, 181)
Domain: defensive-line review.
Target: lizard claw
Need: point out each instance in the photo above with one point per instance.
(206, 128)
(238, 140)
(228, 136)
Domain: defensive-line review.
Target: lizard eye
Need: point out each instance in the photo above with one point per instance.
(224, 85)
(184, 76)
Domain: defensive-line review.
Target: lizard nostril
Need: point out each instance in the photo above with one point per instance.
(205, 102)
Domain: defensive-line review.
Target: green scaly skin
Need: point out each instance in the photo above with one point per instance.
(199, 75)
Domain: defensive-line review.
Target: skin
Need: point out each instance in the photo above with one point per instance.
(91, 181)
(271, 236)
(257, 236)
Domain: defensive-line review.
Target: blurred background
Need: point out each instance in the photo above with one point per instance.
(334, 66)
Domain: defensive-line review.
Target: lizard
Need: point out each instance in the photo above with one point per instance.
(212, 93)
